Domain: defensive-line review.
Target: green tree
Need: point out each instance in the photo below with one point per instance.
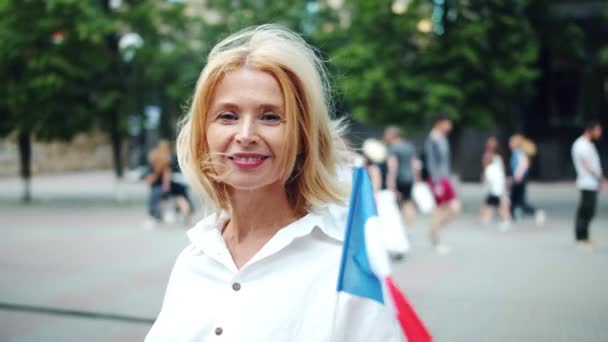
(373, 55)
(159, 70)
(48, 57)
(487, 57)
(63, 70)
(399, 68)
(235, 15)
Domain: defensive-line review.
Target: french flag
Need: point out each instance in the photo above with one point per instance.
(365, 268)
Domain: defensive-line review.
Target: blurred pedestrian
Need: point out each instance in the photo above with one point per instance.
(522, 152)
(179, 191)
(589, 180)
(389, 213)
(494, 178)
(375, 161)
(158, 177)
(401, 171)
(437, 164)
(260, 145)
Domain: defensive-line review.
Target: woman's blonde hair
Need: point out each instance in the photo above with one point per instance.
(525, 144)
(313, 140)
(160, 156)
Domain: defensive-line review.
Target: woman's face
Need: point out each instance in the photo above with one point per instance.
(246, 130)
(491, 143)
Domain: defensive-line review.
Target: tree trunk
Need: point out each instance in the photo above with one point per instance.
(116, 137)
(25, 158)
(116, 145)
(114, 115)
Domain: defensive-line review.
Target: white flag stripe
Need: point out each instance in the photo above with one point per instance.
(378, 258)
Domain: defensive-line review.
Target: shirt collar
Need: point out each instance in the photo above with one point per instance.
(320, 218)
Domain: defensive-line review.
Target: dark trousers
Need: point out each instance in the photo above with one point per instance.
(518, 199)
(584, 214)
(155, 198)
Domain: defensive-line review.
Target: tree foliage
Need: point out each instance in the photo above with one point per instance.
(48, 56)
(389, 66)
(393, 70)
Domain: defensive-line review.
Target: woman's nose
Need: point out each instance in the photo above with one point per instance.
(247, 133)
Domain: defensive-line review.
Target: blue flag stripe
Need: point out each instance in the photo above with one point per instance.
(356, 276)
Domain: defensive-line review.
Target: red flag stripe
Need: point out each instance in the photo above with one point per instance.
(411, 324)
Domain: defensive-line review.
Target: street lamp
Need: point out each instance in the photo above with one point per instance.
(400, 6)
(335, 4)
(425, 25)
(128, 45)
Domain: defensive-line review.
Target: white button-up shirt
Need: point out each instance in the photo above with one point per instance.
(286, 292)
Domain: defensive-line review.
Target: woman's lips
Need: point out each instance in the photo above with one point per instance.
(247, 161)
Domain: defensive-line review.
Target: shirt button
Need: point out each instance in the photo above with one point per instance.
(219, 331)
(236, 286)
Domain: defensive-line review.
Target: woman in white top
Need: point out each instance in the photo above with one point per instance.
(259, 144)
(495, 181)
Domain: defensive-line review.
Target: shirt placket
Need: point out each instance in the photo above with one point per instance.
(223, 325)
(226, 319)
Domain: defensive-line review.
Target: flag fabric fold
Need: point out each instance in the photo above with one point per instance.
(365, 266)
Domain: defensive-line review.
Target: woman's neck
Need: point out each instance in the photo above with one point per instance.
(255, 217)
(259, 213)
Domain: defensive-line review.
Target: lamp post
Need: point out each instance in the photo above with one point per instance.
(400, 6)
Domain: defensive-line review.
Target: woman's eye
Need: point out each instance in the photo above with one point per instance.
(227, 116)
(271, 117)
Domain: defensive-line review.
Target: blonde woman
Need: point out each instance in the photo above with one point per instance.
(259, 144)
(522, 152)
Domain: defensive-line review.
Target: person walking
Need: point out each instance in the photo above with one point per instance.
(401, 172)
(158, 177)
(180, 192)
(392, 222)
(437, 164)
(494, 178)
(589, 180)
(375, 162)
(522, 152)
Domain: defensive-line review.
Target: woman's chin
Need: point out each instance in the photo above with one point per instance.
(248, 184)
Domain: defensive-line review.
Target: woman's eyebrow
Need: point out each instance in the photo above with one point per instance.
(225, 105)
(271, 107)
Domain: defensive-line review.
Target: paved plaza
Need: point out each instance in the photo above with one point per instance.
(77, 266)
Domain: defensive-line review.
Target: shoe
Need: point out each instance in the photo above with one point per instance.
(518, 214)
(442, 249)
(169, 217)
(187, 220)
(397, 257)
(540, 217)
(149, 223)
(585, 245)
(504, 226)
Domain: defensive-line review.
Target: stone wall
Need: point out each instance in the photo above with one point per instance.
(86, 151)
